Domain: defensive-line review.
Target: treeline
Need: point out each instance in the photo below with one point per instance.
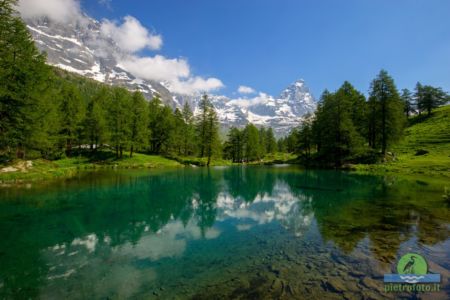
(249, 144)
(49, 113)
(347, 127)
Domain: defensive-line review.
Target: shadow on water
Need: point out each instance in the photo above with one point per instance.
(249, 232)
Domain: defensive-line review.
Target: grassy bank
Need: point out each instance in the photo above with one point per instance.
(425, 148)
(40, 169)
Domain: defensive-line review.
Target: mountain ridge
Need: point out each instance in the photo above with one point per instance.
(81, 48)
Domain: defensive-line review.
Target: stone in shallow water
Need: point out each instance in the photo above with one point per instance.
(371, 284)
(333, 284)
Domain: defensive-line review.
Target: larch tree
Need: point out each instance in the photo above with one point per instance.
(407, 99)
(138, 122)
(387, 110)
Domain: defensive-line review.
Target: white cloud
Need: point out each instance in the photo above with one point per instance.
(131, 36)
(175, 72)
(56, 10)
(156, 68)
(246, 90)
(195, 84)
(262, 98)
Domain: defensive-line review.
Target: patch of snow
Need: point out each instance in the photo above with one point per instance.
(72, 40)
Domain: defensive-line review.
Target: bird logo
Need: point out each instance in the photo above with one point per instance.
(409, 267)
(412, 263)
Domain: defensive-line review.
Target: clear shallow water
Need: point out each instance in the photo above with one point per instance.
(249, 233)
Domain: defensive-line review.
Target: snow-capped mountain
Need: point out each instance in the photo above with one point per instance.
(281, 113)
(82, 48)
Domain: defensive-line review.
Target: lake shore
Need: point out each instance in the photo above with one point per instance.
(28, 171)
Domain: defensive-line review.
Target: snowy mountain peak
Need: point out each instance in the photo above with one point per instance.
(80, 47)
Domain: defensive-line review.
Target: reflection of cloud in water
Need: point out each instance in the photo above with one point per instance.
(95, 266)
(81, 262)
(291, 211)
(89, 242)
(243, 227)
(169, 241)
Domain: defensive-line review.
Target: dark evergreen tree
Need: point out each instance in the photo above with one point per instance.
(407, 100)
(429, 97)
(138, 122)
(338, 137)
(178, 139)
(387, 109)
(119, 120)
(96, 124)
(234, 146)
(207, 130)
(27, 115)
(305, 139)
(188, 132)
(271, 142)
(252, 149)
(212, 146)
(202, 124)
(72, 112)
(161, 124)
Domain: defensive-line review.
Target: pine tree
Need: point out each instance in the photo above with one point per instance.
(337, 137)
(25, 90)
(305, 139)
(72, 112)
(119, 119)
(212, 136)
(262, 144)
(207, 129)
(95, 124)
(161, 126)
(429, 97)
(138, 122)
(418, 96)
(234, 146)
(407, 100)
(251, 143)
(178, 139)
(202, 124)
(271, 142)
(387, 109)
(188, 132)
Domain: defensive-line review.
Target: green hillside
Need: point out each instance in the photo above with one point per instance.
(425, 147)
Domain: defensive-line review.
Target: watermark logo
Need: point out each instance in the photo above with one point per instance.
(412, 276)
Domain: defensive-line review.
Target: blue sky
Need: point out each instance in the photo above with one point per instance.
(267, 44)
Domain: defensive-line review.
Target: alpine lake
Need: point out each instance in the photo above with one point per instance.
(255, 232)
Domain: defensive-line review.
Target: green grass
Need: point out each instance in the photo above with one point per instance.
(67, 167)
(431, 134)
(277, 158)
(197, 161)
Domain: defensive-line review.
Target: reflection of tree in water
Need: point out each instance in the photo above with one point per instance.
(207, 188)
(122, 209)
(350, 207)
(249, 183)
(118, 208)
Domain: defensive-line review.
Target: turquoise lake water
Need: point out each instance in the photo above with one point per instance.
(219, 233)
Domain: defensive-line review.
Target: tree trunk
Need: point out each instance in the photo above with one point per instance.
(131, 151)
(69, 147)
(20, 153)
